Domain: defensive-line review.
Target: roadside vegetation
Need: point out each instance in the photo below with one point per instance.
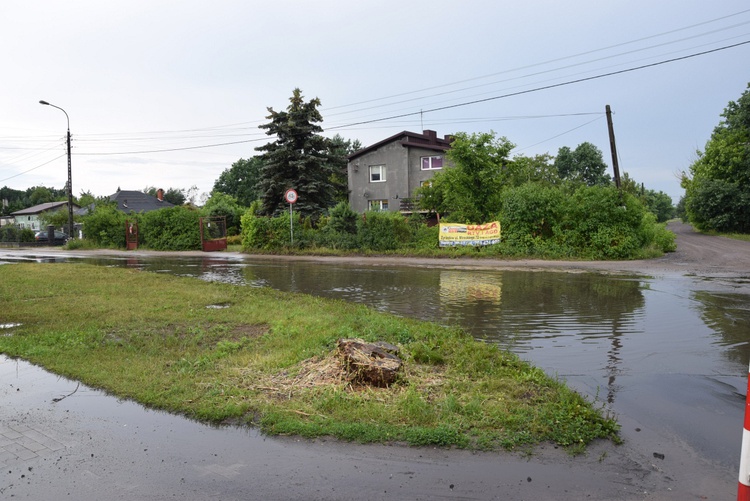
(550, 207)
(221, 353)
(717, 184)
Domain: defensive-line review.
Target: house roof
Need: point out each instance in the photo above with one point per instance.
(137, 201)
(427, 140)
(38, 209)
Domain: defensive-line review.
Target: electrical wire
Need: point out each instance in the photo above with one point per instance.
(551, 60)
(547, 87)
(33, 168)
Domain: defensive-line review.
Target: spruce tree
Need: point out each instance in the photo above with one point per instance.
(298, 159)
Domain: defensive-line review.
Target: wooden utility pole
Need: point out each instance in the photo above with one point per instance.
(612, 147)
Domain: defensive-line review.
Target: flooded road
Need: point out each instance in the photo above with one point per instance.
(666, 352)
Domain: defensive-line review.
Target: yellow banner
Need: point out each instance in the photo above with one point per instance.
(469, 234)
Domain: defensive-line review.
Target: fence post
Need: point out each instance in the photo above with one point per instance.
(743, 488)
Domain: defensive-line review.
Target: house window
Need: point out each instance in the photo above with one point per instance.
(377, 205)
(432, 163)
(377, 173)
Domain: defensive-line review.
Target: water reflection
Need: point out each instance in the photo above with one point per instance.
(728, 314)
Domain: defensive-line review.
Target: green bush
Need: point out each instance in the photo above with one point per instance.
(105, 226)
(603, 223)
(174, 229)
(424, 237)
(656, 236)
(343, 219)
(271, 233)
(383, 230)
(16, 234)
(719, 205)
(339, 229)
(530, 217)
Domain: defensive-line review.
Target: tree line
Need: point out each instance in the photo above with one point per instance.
(717, 184)
(484, 183)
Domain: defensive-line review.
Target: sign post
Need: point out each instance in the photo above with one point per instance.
(291, 197)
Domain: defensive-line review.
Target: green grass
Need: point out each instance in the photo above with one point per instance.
(737, 236)
(265, 358)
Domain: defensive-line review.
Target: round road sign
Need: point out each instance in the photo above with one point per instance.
(290, 196)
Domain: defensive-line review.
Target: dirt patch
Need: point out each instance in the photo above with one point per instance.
(250, 331)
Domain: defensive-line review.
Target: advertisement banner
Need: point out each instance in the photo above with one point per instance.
(469, 234)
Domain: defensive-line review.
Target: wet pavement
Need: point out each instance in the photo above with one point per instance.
(63, 440)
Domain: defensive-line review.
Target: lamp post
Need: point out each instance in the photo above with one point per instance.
(70, 173)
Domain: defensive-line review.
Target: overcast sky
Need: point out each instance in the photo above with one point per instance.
(156, 89)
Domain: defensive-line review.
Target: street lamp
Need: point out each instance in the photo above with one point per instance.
(70, 173)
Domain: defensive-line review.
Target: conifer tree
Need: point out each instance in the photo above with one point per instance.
(298, 159)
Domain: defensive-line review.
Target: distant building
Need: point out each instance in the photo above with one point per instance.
(137, 201)
(385, 175)
(31, 217)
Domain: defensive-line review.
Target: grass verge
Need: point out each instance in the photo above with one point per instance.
(223, 353)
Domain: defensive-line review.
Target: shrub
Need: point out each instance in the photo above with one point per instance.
(343, 219)
(656, 236)
(603, 223)
(339, 229)
(530, 216)
(383, 230)
(16, 234)
(174, 228)
(271, 233)
(105, 226)
(718, 205)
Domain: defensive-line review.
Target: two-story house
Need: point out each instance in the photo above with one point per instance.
(385, 175)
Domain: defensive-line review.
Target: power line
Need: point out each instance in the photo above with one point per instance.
(547, 71)
(546, 87)
(550, 60)
(442, 108)
(33, 168)
(173, 149)
(560, 134)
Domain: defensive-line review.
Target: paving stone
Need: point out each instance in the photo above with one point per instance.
(13, 435)
(21, 452)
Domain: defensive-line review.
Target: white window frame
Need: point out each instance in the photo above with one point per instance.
(429, 162)
(379, 205)
(380, 171)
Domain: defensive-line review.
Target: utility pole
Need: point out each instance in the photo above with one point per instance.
(70, 174)
(613, 148)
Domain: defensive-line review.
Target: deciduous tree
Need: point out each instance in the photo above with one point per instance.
(717, 189)
(241, 180)
(470, 190)
(585, 164)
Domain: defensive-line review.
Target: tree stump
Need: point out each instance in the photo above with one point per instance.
(370, 363)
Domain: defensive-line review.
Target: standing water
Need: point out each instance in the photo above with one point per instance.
(668, 355)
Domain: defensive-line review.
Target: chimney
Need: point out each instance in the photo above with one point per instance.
(160, 194)
(431, 135)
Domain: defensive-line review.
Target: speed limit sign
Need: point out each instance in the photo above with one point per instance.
(290, 196)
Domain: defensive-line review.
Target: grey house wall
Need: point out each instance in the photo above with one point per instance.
(403, 175)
